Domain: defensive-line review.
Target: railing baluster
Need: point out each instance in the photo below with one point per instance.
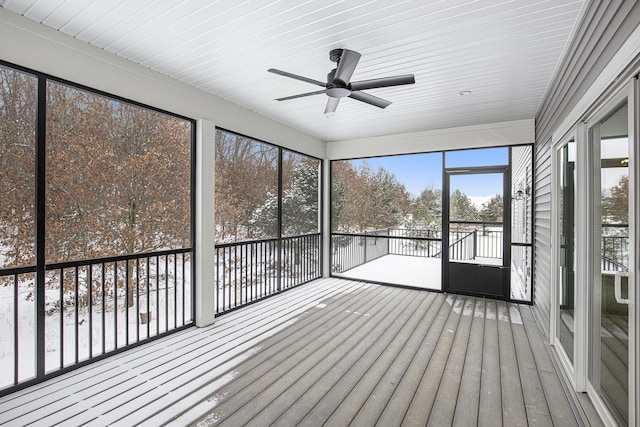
(175, 290)
(126, 302)
(103, 326)
(138, 299)
(115, 304)
(184, 295)
(90, 288)
(75, 302)
(166, 293)
(217, 251)
(148, 310)
(157, 295)
(61, 278)
(16, 336)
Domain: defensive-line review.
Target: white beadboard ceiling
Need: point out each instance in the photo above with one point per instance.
(503, 51)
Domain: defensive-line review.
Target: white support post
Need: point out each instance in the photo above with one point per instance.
(205, 225)
(326, 219)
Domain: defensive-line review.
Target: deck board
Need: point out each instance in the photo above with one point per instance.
(333, 352)
(490, 405)
(533, 393)
(466, 413)
(449, 386)
(425, 395)
(513, 409)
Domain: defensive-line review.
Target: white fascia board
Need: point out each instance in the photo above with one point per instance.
(38, 47)
(477, 136)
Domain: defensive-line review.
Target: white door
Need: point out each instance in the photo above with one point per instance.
(611, 354)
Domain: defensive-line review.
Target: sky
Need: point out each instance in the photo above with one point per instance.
(420, 171)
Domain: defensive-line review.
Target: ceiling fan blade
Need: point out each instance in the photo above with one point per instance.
(332, 105)
(370, 99)
(286, 98)
(347, 65)
(407, 79)
(297, 77)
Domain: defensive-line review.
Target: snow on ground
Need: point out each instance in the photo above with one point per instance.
(108, 330)
(401, 270)
(426, 273)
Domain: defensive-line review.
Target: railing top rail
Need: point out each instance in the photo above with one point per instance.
(106, 260)
(17, 270)
(477, 222)
(270, 239)
(370, 236)
(300, 235)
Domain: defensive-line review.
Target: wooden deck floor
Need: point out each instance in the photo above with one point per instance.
(333, 352)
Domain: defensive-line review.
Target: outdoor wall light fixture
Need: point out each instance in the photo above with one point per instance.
(522, 194)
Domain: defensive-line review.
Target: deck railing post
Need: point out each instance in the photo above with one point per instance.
(475, 243)
(364, 261)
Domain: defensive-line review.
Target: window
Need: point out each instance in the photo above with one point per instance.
(114, 181)
(118, 177)
(267, 219)
(18, 103)
(246, 188)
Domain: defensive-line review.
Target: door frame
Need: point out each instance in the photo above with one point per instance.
(591, 270)
(506, 226)
(577, 369)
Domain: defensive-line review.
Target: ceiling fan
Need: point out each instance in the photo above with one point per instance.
(338, 83)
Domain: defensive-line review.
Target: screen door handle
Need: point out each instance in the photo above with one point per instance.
(618, 287)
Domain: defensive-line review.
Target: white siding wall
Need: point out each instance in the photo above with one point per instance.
(605, 27)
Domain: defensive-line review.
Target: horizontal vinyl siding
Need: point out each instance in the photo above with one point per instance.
(542, 235)
(605, 26)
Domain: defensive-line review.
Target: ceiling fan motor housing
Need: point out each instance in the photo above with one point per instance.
(335, 55)
(336, 88)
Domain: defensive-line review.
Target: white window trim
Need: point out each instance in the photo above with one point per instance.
(572, 369)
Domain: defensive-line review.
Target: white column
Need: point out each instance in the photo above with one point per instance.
(205, 225)
(326, 219)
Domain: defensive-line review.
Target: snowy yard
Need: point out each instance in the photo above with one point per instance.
(80, 332)
(414, 271)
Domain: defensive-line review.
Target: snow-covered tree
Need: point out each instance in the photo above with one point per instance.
(300, 213)
(492, 210)
(461, 207)
(426, 210)
(365, 199)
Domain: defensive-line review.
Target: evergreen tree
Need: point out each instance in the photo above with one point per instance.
(299, 205)
(492, 210)
(426, 210)
(462, 208)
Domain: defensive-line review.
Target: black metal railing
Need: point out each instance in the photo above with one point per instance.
(249, 271)
(95, 307)
(467, 241)
(615, 247)
(415, 242)
(462, 245)
(353, 250)
(485, 242)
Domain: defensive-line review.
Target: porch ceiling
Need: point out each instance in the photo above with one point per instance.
(504, 52)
